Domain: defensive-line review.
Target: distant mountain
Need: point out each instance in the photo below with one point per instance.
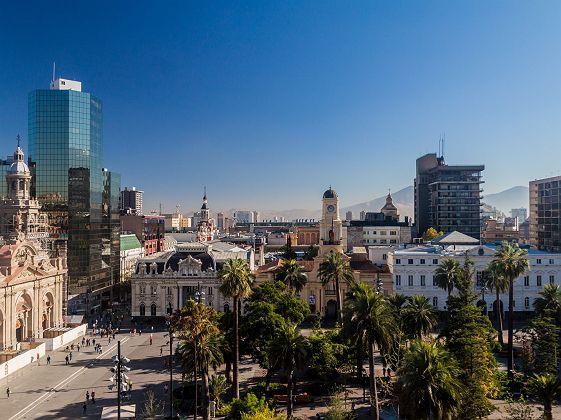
(402, 199)
(506, 200)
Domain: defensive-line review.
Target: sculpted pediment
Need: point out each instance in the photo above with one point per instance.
(190, 266)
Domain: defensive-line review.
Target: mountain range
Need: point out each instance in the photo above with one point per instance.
(403, 199)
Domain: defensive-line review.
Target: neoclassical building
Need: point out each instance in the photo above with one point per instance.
(163, 282)
(322, 298)
(31, 277)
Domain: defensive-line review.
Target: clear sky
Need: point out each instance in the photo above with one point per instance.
(267, 103)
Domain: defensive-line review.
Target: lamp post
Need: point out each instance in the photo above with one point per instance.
(118, 375)
(171, 335)
(199, 298)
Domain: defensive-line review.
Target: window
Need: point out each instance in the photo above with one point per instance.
(435, 261)
(383, 241)
(538, 280)
(538, 261)
(210, 289)
(551, 261)
(153, 309)
(526, 281)
(434, 281)
(142, 310)
(480, 279)
(527, 302)
(153, 289)
(423, 282)
(169, 290)
(142, 289)
(422, 261)
(410, 261)
(410, 280)
(398, 280)
(393, 233)
(384, 257)
(435, 302)
(397, 261)
(393, 241)
(383, 232)
(552, 279)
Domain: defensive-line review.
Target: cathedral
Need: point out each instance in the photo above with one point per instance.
(31, 278)
(206, 227)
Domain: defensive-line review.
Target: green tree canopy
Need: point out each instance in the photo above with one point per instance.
(431, 233)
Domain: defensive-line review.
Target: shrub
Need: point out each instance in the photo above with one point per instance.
(249, 404)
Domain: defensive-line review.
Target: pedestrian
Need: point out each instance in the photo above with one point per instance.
(49, 360)
(8, 392)
(66, 358)
(93, 397)
(100, 349)
(70, 356)
(93, 341)
(72, 346)
(88, 396)
(84, 409)
(83, 341)
(165, 388)
(113, 336)
(161, 351)
(78, 346)
(139, 333)
(150, 340)
(38, 358)
(109, 340)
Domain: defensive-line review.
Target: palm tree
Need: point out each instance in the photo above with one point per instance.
(200, 344)
(290, 273)
(428, 379)
(446, 275)
(511, 262)
(218, 385)
(546, 388)
(549, 301)
(236, 280)
(370, 318)
(495, 281)
(288, 350)
(419, 317)
(335, 268)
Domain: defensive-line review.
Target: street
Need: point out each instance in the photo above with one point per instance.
(58, 391)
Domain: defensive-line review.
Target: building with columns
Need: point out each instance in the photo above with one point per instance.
(32, 277)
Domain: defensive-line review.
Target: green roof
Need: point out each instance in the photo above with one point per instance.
(129, 242)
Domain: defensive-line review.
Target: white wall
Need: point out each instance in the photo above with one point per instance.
(22, 360)
(64, 339)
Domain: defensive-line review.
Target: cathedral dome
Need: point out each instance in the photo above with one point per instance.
(330, 193)
(19, 168)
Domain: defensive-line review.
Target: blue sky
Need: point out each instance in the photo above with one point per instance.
(268, 103)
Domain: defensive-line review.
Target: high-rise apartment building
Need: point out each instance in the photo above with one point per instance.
(447, 197)
(78, 195)
(545, 214)
(131, 200)
(520, 214)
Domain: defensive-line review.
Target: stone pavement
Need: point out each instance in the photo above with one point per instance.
(58, 391)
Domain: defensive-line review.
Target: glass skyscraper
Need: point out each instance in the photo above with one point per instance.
(65, 144)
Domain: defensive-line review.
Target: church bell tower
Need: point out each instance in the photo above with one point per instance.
(331, 226)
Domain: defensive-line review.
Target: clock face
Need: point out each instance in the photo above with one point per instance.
(331, 208)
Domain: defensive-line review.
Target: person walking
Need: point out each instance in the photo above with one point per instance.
(161, 351)
(87, 396)
(48, 360)
(70, 356)
(66, 359)
(93, 397)
(8, 392)
(150, 339)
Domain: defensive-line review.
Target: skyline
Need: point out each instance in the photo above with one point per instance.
(286, 99)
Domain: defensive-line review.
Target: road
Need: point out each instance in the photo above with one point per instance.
(58, 391)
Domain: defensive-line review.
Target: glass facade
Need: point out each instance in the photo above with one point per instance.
(545, 214)
(65, 139)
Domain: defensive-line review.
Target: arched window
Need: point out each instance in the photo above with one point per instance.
(142, 310)
(526, 302)
(142, 289)
(153, 309)
(435, 302)
(226, 307)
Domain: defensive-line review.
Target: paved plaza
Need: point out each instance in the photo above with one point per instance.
(57, 391)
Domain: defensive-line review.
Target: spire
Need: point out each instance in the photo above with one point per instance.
(204, 196)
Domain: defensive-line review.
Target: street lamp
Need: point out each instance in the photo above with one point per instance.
(119, 376)
(171, 337)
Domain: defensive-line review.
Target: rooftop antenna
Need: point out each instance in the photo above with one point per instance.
(54, 71)
(443, 143)
(160, 208)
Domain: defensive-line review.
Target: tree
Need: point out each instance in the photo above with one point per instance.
(218, 386)
(290, 273)
(335, 268)
(497, 282)
(371, 320)
(311, 253)
(511, 262)
(546, 388)
(419, 317)
(199, 349)
(288, 351)
(446, 275)
(431, 233)
(428, 382)
(549, 302)
(545, 344)
(236, 280)
(152, 408)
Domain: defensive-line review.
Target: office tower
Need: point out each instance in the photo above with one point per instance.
(447, 197)
(362, 215)
(131, 200)
(79, 197)
(349, 215)
(520, 214)
(545, 216)
(220, 221)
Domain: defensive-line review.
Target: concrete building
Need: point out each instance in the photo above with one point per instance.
(131, 251)
(246, 216)
(520, 214)
(545, 214)
(447, 197)
(131, 200)
(349, 216)
(498, 231)
(80, 198)
(172, 222)
(150, 231)
(413, 270)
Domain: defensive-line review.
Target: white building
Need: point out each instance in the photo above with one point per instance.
(163, 282)
(414, 268)
(131, 251)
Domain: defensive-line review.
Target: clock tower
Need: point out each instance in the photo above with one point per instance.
(331, 232)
